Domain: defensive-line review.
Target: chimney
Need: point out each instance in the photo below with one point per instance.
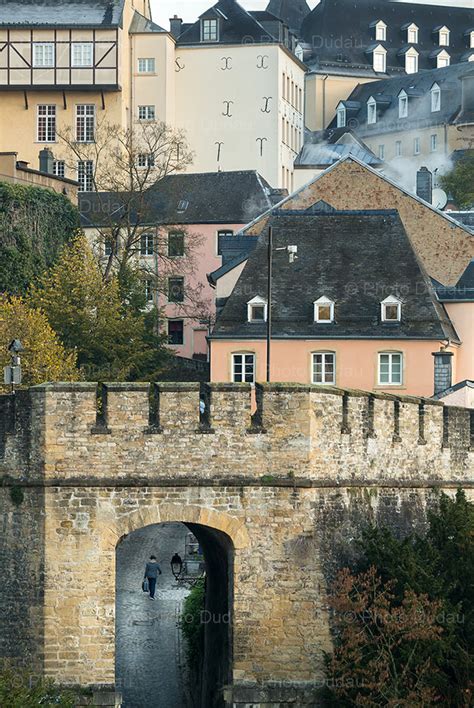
(46, 161)
(443, 374)
(424, 184)
(175, 26)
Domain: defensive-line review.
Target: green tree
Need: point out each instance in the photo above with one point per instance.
(34, 225)
(20, 689)
(436, 570)
(460, 181)
(44, 358)
(113, 337)
(192, 625)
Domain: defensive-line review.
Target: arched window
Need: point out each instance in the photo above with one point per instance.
(341, 116)
(323, 368)
(390, 369)
(435, 98)
(402, 104)
(371, 111)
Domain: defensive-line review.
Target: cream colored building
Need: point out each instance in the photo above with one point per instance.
(230, 80)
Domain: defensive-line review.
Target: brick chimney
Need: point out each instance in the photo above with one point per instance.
(424, 184)
(443, 374)
(175, 26)
(46, 161)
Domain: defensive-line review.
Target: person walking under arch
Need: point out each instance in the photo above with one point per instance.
(151, 573)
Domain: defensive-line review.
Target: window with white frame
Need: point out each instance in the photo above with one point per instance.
(380, 60)
(398, 148)
(412, 34)
(46, 124)
(85, 175)
(146, 65)
(324, 368)
(82, 54)
(145, 160)
(381, 152)
(146, 112)
(257, 310)
(416, 146)
(411, 61)
(341, 116)
(434, 142)
(43, 54)
(147, 244)
(444, 37)
(243, 368)
(209, 30)
(471, 39)
(435, 98)
(371, 111)
(324, 310)
(85, 123)
(390, 369)
(59, 168)
(402, 105)
(443, 59)
(149, 290)
(391, 309)
(381, 31)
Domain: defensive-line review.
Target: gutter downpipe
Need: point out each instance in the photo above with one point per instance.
(325, 78)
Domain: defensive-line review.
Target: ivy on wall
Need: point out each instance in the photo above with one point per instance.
(35, 223)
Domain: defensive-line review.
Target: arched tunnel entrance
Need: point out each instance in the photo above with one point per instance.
(153, 666)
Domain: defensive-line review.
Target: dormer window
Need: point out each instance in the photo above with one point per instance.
(402, 105)
(411, 61)
(380, 31)
(371, 111)
(412, 34)
(391, 309)
(380, 59)
(341, 116)
(471, 39)
(443, 35)
(209, 30)
(442, 60)
(435, 98)
(257, 310)
(324, 310)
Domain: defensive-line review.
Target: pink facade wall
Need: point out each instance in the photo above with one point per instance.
(205, 259)
(356, 362)
(461, 315)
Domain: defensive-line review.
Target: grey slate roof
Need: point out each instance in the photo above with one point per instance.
(214, 197)
(61, 13)
(292, 12)
(237, 25)
(466, 218)
(348, 21)
(355, 258)
(142, 25)
(324, 154)
(417, 86)
(452, 389)
(463, 291)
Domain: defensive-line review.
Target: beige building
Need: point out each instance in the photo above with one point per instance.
(231, 81)
(17, 171)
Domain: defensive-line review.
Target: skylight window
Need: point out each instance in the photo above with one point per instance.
(257, 310)
(324, 310)
(391, 309)
(182, 206)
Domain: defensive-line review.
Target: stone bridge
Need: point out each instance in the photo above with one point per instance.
(275, 485)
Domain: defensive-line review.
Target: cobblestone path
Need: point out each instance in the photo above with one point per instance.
(149, 654)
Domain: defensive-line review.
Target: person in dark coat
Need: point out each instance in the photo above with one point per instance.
(151, 573)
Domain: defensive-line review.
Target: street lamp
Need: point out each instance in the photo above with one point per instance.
(176, 566)
(12, 373)
(292, 256)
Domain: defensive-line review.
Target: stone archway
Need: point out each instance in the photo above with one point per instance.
(220, 536)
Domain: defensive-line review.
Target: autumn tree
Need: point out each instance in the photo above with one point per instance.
(112, 339)
(44, 358)
(119, 208)
(404, 615)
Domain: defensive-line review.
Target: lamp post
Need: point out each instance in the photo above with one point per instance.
(176, 566)
(292, 256)
(12, 373)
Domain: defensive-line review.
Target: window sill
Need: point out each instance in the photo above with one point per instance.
(398, 387)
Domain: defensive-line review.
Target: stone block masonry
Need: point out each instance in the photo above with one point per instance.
(289, 485)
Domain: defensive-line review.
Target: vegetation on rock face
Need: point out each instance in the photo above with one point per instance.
(460, 181)
(192, 625)
(20, 689)
(404, 617)
(35, 223)
(107, 328)
(44, 358)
